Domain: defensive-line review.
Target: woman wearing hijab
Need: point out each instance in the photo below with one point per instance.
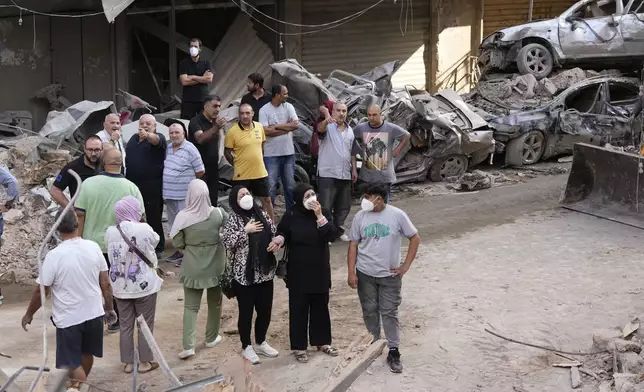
(196, 231)
(134, 283)
(307, 231)
(249, 237)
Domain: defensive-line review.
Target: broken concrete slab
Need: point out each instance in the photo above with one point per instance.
(13, 216)
(355, 368)
(630, 362)
(622, 346)
(602, 337)
(568, 78)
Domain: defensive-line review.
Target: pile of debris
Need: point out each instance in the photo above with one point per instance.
(35, 162)
(499, 94)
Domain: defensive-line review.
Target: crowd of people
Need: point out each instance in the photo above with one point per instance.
(106, 270)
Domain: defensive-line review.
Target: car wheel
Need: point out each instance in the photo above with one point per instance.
(535, 59)
(527, 149)
(452, 166)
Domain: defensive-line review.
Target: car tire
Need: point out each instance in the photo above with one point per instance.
(452, 166)
(535, 59)
(526, 149)
(301, 176)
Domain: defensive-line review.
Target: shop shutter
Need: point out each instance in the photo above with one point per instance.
(368, 41)
(499, 14)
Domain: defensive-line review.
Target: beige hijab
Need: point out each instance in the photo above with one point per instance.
(198, 207)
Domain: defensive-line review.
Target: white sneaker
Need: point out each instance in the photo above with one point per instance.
(250, 354)
(267, 350)
(218, 340)
(185, 354)
(345, 238)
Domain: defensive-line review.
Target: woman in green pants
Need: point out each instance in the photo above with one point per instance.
(196, 232)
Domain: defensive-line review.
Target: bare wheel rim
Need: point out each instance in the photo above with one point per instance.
(452, 166)
(537, 60)
(532, 147)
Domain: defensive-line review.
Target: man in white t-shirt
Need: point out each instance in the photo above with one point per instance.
(111, 136)
(279, 120)
(75, 274)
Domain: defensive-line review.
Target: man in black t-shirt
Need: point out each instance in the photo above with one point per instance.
(195, 76)
(204, 132)
(145, 155)
(257, 97)
(85, 166)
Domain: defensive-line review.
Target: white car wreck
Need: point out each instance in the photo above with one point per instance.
(591, 31)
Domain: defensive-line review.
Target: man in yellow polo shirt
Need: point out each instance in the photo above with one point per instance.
(244, 150)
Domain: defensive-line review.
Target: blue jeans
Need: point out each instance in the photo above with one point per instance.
(1, 228)
(281, 168)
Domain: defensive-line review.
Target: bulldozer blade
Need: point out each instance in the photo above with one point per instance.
(607, 184)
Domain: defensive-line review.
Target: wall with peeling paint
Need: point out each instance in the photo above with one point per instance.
(74, 52)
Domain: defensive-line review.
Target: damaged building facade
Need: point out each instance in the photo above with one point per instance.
(91, 59)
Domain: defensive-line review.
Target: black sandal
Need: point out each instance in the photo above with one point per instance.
(301, 356)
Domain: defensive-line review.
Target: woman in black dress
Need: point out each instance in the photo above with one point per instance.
(307, 232)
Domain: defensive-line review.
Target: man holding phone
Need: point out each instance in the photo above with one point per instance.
(204, 132)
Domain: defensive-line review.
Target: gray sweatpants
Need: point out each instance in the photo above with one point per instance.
(380, 297)
(172, 209)
(129, 310)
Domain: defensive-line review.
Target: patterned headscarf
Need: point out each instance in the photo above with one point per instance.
(128, 209)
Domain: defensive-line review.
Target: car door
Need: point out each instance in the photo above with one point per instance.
(632, 27)
(592, 30)
(581, 118)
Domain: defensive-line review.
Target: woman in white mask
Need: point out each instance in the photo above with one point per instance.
(249, 237)
(307, 230)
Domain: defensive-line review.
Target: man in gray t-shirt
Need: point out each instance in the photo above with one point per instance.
(376, 139)
(279, 120)
(375, 268)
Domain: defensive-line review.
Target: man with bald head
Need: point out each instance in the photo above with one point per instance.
(144, 161)
(376, 139)
(96, 202)
(111, 136)
(336, 165)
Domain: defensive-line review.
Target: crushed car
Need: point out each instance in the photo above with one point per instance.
(597, 111)
(447, 137)
(590, 32)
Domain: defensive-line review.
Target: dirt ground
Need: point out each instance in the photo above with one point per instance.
(507, 257)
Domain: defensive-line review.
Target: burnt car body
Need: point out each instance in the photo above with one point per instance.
(447, 138)
(596, 111)
(594, 32)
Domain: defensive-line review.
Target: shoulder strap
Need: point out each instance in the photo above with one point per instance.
(134, 249)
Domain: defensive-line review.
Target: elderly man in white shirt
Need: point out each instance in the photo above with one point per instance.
(111, 136)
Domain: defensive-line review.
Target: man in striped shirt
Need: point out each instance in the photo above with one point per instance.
(182, 164)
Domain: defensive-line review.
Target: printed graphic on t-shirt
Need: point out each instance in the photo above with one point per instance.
(376, 150)
(376, 231)
(129, 266)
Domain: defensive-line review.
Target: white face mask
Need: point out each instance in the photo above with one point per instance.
(367, 205)
(307, 202)
(246, 202)
(194, 52)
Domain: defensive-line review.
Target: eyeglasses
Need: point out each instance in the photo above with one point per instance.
(94, 150)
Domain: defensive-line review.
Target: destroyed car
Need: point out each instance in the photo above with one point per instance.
(596, 111)
(591, 31)
(447, 137)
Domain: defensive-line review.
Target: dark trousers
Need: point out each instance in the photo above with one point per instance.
(116, 309)
(212, 180)
(335, 195)
(309, 319)
(258, 298)
(190, 109)
(153, 202)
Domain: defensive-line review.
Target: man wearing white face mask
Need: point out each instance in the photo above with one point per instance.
(374, 264)
(195, 76)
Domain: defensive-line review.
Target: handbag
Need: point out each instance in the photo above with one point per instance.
(140, 254)
(281, 270)
(226, 284)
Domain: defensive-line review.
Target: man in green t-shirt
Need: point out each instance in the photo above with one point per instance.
(96, 201)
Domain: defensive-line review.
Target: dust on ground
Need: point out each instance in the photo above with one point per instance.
(549, 277)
